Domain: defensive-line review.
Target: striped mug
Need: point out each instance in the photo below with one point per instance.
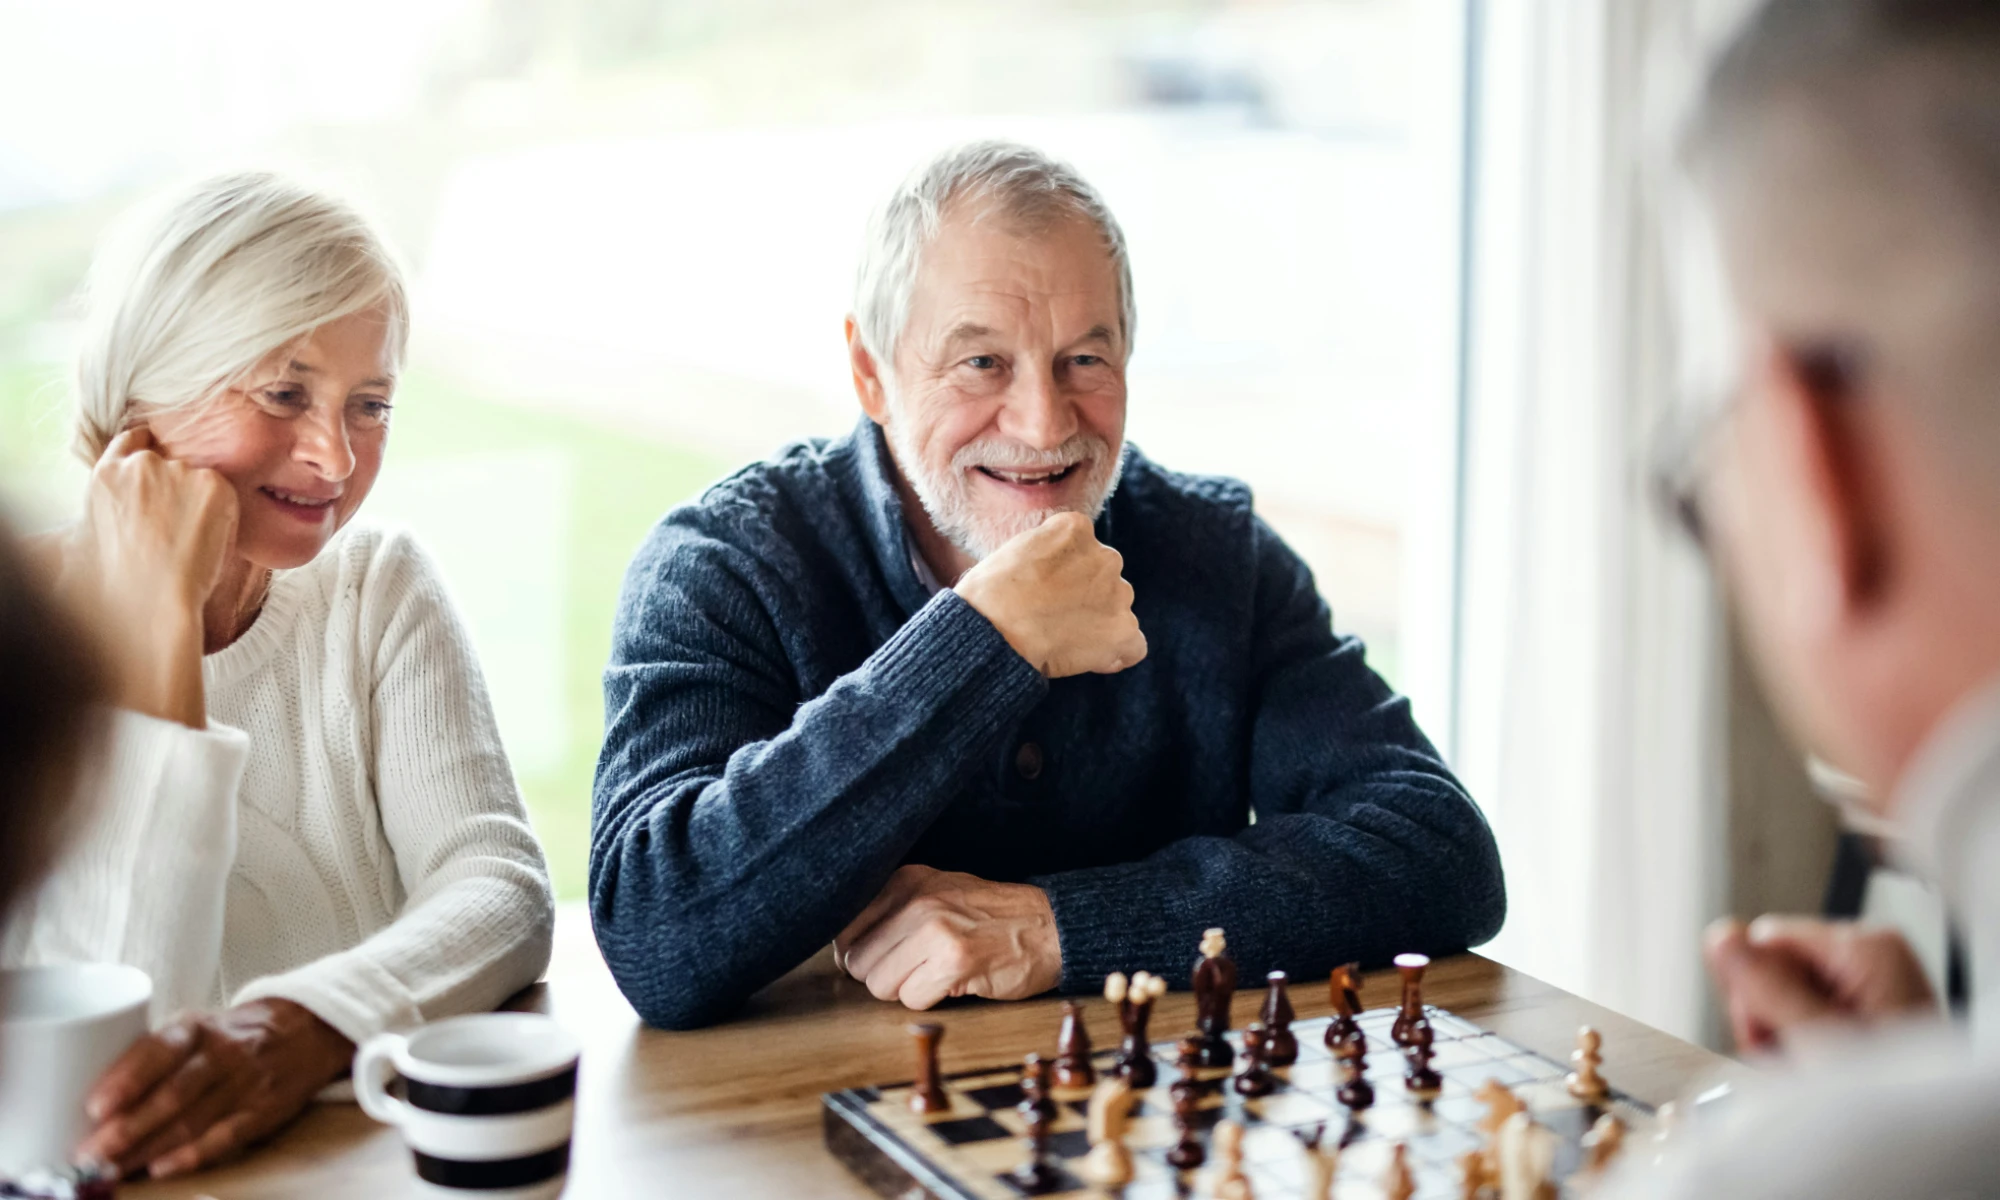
(487, 1103)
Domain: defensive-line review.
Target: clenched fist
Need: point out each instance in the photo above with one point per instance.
(1056, 594)
(1779, 975)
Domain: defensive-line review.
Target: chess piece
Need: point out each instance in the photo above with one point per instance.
(1666, 1125)
(1317, 1163)
(1073, 1069)
(1214, 988)
(1134, 999)
(1187, 1152)
(1281, 1048)
(1602, 1143)
(1526, 1158)
(1226, 1180)
(1501, 1103)
(1397, 1182)
(1256, 1078)
(1474, 1175)
(1584, 1081)
(1355, 1090)
(1109, 1162)
(1420, 1079)
(1411, 967)
(1346, 997)
(1037, 1112)
(928, 1098)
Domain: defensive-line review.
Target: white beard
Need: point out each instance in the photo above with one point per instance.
(946, 495)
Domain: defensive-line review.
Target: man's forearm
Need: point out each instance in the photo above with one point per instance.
(711, 882)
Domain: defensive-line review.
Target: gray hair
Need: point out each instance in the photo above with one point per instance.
(1016, 182)
(1852, 148)
(195, 290)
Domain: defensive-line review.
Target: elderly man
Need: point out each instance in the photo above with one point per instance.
(1850, 151)
(982, 696)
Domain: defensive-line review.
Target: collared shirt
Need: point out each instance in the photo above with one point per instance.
(1904, 1112)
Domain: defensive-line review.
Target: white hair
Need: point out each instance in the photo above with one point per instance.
(195, 290)
(1015, 182)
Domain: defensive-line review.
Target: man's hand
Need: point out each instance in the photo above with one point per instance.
(1056, 595)
(1782, 974)
(933, 934)
(209, 1084)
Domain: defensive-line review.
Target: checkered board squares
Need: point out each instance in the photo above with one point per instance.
(970, 1151)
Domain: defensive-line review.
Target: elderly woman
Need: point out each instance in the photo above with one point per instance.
(306, 829)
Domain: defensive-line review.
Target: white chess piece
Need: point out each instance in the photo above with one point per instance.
(1527, 1159)
(1109, 1163)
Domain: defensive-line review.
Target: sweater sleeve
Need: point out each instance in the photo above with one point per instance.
(144, 881)
(735, 830)
(478, 917)
(1364, 843)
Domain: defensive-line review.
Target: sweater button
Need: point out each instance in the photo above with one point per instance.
(1028, 760)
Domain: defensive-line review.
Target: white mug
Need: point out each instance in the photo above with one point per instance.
(487, 1105)
(60, 1027)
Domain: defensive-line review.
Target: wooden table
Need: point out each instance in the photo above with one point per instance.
(736, 1107)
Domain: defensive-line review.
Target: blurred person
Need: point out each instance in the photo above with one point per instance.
(1849, 155)
(985, 697)
(307, 830)
(51, 684)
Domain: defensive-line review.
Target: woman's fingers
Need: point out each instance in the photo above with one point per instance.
(220, 1140)
(136, 1071)
(128, 443)
(185, 1128)
(174, 1097)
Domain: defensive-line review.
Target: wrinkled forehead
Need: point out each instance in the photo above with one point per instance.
(1052, 270)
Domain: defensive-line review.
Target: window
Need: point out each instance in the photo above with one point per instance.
(634, 225)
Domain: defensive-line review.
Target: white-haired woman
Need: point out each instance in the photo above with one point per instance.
(306, 828)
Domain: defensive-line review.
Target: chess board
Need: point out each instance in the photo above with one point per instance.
(970, 1151)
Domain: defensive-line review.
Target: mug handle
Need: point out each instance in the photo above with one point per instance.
(374, 1066)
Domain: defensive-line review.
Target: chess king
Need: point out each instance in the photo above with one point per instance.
(985, 697)
(1849, 491)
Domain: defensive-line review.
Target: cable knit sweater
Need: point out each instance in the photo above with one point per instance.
(346, 833)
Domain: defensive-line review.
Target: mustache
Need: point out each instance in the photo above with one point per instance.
(1010, 455)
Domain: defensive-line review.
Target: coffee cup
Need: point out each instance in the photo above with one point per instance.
(486, 1105)
(61, 1026)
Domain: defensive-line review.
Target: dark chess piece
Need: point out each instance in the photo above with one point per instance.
(1256, 1078)
(1281, 1048)
(1073, 1069)
(1187, 1152)
(1411, 967)
(1214, 988)
(1038, 1113)
(1134, 999)
(1420, 1079)
(1346, 996)
(1355, 1090)
(928, 1096)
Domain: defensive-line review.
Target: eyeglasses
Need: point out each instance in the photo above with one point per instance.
(1683, 451)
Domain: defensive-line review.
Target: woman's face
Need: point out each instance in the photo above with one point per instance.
(301, 439)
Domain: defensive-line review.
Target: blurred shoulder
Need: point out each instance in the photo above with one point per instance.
(758, 512)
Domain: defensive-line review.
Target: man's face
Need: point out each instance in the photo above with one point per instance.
(1006, 403)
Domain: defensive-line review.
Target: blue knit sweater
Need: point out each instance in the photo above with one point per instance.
(789, 717)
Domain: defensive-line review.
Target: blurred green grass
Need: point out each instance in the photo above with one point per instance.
(623, 483)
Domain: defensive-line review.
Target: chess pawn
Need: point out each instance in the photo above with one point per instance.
(1281, 1047)
(1037, 1113)
(1411, 968)
(1397, 1182)
(1317, 1164)
(1214, 979)
(1109, 1162)
(1187, 1152)
(1420, 1079)
(1355, 1090)
(1073, 1070)
(1584, 1081)
(1226, 1180)
(1256, 1078)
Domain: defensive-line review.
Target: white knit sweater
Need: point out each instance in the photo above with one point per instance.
(346, 833)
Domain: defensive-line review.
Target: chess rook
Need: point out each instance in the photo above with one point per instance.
(928, 1097)
(1073, 1069)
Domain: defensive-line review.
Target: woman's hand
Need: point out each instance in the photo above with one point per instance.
(210, 1084)
(150, 549)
